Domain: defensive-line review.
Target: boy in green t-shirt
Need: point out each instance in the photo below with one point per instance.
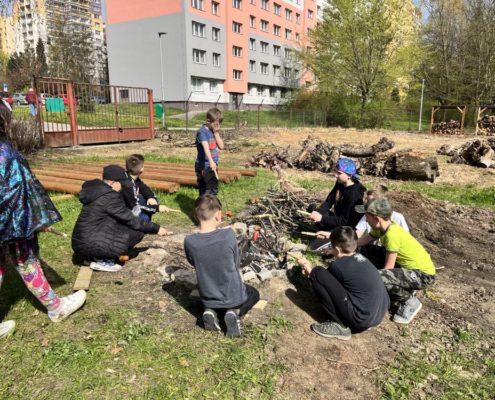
(407, 266)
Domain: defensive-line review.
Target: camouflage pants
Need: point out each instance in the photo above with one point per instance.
(401, 282)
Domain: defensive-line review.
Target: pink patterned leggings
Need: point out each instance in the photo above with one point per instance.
(23, 254)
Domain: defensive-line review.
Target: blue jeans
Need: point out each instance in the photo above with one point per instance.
(145, 215)
(32, 109)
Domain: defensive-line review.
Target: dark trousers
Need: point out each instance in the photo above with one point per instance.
(145, 215)
(207, 182)
(134, 237)
(253, 297)
(333, 297)
(376, 254)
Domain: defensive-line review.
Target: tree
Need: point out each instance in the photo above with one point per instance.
(20, 69)
(362, 48)
(41, 65)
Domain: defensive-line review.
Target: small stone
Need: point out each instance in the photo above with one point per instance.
(249, 276)
(240, 228)
(279, 273)
(264, 275)
(155, 252)
(260, 305)
(185, 278)
(194, 294)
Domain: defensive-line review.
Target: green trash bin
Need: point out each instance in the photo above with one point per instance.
(159, 110)
(54, 104)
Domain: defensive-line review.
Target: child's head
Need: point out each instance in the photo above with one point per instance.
(214, 118)
(5, 121)
(208, 208)
(378, 211)
(134, 164)
(114, 176)
(344, 241)
(378, 192)
(345, 170)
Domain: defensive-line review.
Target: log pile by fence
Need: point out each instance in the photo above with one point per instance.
(376, 160)
(478, 153)
(486, 125)
(447, 128)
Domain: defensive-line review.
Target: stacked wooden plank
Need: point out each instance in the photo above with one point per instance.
(165, 177)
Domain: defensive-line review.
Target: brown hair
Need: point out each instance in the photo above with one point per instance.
(345, 238)
(206, 206)
(378, 191)
(134, 164)
(213, 114)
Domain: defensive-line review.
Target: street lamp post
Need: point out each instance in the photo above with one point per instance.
(160, 34)
(421, 105)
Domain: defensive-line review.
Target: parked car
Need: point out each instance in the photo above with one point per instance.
(20, 99)
(7, 97)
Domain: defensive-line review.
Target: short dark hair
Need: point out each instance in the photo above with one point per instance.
(345, 238)
(378, 191)
(206, 206)
(134, 164)
(213, 114)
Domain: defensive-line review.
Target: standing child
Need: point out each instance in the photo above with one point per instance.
(139, 198)
(215, 255)
(208, 141)
(350, 290)
(407, 266)
(25, 210)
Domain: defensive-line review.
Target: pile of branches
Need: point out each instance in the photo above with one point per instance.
(447, 128)
(270, 160)
(25, 134)
(487, 125)
(478, 153)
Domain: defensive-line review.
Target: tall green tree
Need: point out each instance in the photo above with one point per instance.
(41, 64)
(20, 69)
(364, 47)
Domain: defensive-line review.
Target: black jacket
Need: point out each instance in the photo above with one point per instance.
(105, 226)
(133, 189)
(343, 199)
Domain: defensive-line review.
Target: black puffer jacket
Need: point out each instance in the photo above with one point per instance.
(105, 225)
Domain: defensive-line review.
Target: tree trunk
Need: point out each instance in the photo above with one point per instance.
(367, 151)
(411, 166)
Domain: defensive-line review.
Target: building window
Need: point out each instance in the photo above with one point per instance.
(319, 11)
(276, 8)
(273, 92)
(276, 50)
(237, 4)
(264, 4)
(288, 14)
(298, 36)
(310, 14)
(198, 29)
(213, 86)
(252, 66)
(264, 47)
(198, 4)
(296, 74)
(237, 75)
(276, 70)
(287, 72)
(287, 53)
(276, 30)
(199, 56)
(216, 59)
(298, 18)
(264, 25)
(237, 51)
(236, 27)
(215, 8)
(215, 34)
(253, 2)
(288, 34)
(252, 21)
(252, 44)
(264, 68)
(197, 84)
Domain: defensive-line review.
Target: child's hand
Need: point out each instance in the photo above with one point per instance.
(215, 126)
(164, 232)
(162, 208)
(152, 202)
(316, 216)
(306, 266)
(323, 235)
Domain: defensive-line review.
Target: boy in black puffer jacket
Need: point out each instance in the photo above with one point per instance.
(106, 228)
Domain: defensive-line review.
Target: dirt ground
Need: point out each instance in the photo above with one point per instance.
(460, 240)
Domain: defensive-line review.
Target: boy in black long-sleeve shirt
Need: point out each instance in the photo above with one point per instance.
(351, 290)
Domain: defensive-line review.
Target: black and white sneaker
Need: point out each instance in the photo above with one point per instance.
(210, 320)
(233, 323)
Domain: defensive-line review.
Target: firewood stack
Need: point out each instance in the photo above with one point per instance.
(447, 128)
(267, 159)
(478, 153)
(486, 125)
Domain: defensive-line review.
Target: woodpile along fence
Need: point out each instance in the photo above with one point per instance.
(164, 177)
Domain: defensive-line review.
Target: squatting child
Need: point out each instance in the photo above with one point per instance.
(208, 141)
(350, 290)
(407, 266)
(214, 254)
(138, 197)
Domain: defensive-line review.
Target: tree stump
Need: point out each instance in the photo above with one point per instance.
(411, 165)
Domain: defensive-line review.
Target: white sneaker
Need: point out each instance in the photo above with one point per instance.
(105, 266)
(6, 328)
(68, 305)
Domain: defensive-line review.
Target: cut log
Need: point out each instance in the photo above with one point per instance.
(446, 150)
(478, 153)
(410, 165)
(367, 151)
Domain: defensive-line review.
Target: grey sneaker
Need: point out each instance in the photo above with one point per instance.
(210, 320)
(233, 323)
(332, 329)
(407, 310)
(6, 328)
(68, 305)
(105, 266)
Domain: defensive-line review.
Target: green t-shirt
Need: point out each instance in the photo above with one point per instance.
(410, 253)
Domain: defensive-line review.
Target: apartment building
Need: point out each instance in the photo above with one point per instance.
(214, 51)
